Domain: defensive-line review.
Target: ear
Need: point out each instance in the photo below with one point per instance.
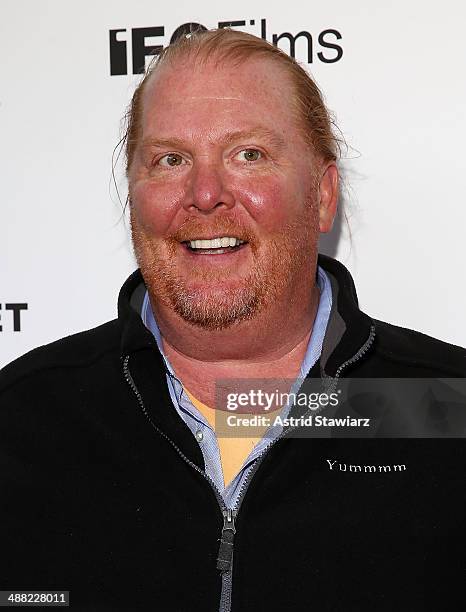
(328, 193)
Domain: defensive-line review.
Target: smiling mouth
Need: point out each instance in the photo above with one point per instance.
(214, 246)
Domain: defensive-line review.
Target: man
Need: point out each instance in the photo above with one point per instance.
(115, 486)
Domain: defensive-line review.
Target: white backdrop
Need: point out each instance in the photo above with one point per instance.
(399, 95)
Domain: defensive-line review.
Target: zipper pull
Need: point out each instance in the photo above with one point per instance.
(225, 551)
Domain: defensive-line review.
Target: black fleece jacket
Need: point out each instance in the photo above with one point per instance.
(103, 491)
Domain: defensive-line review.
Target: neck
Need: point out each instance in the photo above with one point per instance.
(271, 345)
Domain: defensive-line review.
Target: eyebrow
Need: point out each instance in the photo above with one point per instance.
(259, 132)
(230, 137)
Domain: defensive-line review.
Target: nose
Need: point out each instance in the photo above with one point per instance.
(206, 188)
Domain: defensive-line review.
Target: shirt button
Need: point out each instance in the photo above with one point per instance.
(199, 435)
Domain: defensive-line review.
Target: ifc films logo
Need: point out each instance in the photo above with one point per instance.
(139, 43)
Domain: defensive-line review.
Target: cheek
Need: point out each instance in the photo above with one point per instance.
(155, 206)
(272, 203)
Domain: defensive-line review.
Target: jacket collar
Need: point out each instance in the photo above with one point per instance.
(134, 335)
(347, 331)
(349, 328)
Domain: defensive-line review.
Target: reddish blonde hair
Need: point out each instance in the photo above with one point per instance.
(231, 46)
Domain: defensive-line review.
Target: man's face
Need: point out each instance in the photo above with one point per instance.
(221, 157)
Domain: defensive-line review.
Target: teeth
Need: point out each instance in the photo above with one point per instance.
(215, 243)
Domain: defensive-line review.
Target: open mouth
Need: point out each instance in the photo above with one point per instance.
(214, 246)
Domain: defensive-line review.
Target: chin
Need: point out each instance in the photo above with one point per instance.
(216, 309)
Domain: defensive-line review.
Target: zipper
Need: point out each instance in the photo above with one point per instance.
(225, 551)
(226, 547)
(225, 558)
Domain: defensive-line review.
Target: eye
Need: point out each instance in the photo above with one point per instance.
(249, 155)
(171, 159)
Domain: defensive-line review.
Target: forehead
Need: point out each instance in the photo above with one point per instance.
(191, 96)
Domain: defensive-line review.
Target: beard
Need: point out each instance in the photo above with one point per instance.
(214, 299)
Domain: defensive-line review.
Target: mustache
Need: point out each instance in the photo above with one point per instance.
(192, 229)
